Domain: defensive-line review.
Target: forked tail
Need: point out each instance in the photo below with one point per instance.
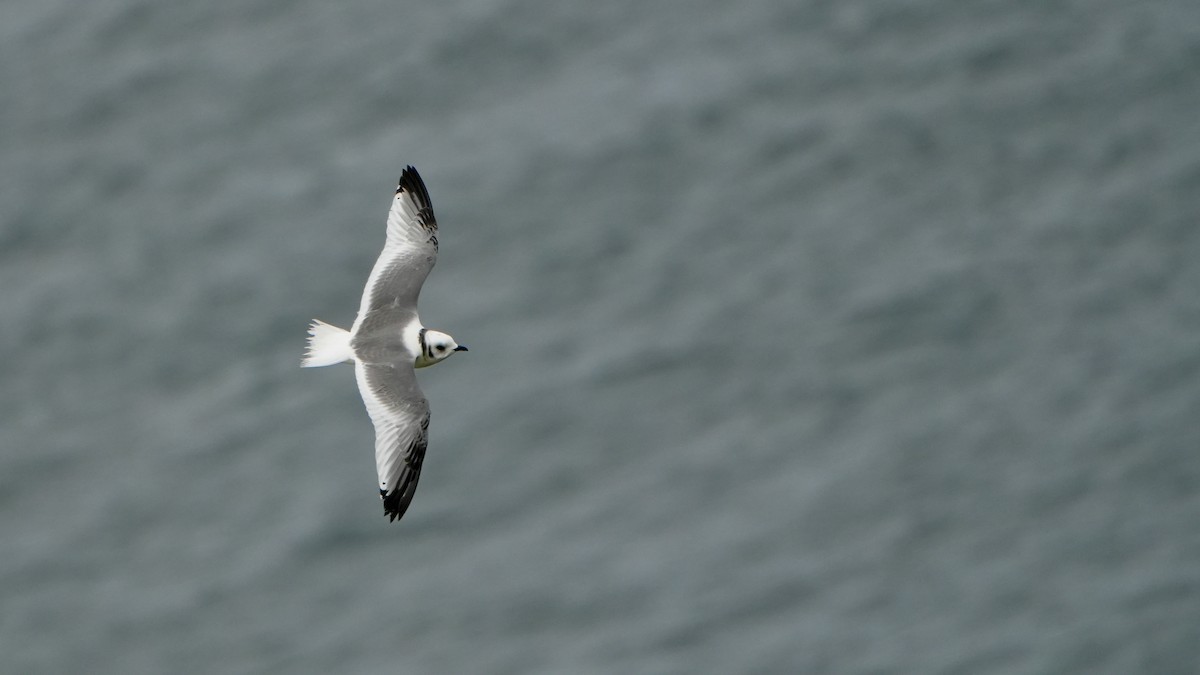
(327, 345)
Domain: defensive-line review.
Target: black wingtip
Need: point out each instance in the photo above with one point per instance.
(396, 503)
(412, 183)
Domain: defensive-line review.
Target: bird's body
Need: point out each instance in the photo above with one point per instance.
(387, 342)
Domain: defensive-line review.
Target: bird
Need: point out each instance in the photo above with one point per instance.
(388, 342)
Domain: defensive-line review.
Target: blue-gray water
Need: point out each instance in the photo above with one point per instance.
(806, 337)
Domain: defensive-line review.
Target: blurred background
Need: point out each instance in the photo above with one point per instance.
(806, 336)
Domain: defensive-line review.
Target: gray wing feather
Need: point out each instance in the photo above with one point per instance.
(409, 253)
(377, 336)
(400, 414)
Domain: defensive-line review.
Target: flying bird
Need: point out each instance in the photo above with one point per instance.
(388, 341)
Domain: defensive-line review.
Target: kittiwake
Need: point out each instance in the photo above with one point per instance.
(388, 340)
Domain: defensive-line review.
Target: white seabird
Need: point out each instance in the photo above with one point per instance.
(388, 341)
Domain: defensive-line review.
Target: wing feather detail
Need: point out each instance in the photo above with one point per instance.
(400, 414)
(409, 253)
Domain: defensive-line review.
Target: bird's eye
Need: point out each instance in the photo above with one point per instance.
(441, 348)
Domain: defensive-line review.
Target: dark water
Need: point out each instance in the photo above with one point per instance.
(806, 337)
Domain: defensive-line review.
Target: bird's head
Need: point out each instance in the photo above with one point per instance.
(436, 346)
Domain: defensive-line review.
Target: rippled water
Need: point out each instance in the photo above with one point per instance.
(805, 337)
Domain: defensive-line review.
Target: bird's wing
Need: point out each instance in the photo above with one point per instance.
(409, 252)
(401, 417)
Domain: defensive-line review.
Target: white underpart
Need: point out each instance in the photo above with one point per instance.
(411, 335)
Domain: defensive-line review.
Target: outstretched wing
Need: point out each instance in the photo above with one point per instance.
(409, 252)
(401, 417)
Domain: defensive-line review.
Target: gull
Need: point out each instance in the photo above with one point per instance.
(388, 341)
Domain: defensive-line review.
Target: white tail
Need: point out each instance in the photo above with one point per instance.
(327, 345)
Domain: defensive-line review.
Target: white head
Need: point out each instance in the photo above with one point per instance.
(435, 346)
